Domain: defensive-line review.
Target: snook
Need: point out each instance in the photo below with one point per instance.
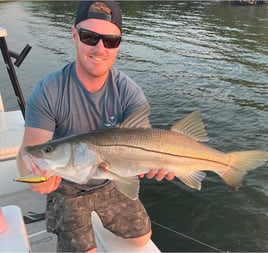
(122, 153)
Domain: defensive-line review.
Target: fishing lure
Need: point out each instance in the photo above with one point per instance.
(31, 179)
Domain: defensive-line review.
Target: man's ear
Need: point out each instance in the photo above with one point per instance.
(74, 33)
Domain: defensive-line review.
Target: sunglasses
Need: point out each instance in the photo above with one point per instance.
(92, 38)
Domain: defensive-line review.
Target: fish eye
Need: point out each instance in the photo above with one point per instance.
(48, 149)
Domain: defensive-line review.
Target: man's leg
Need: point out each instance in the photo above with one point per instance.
(68, 216)
(124, 217)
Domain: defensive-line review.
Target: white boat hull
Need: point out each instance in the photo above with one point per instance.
(11, 132)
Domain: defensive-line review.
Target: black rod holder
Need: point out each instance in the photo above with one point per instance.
(20, 57)
(11, 71)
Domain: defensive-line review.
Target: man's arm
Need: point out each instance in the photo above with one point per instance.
(34, 136)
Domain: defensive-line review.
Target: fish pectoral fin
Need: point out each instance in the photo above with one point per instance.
(193, 180)
(192, 126)
(129, 186)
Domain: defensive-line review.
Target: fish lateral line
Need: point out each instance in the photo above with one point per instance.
(164, 153)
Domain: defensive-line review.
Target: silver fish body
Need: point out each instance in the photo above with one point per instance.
(122, 153)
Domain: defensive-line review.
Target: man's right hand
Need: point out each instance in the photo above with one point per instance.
(34, 136)
(46, 187)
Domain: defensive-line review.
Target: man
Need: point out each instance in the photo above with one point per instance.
(87, 94)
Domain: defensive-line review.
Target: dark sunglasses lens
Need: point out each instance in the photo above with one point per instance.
(89, 37)
(111, 41)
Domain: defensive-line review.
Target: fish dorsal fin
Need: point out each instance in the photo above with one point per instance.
(191, 125)
(136, 118)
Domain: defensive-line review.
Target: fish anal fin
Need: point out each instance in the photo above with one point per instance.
(193, 180)
(192, 126)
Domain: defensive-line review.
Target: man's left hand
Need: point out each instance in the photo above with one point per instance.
(159, 175)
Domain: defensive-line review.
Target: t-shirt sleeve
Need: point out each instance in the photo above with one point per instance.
(134, 99)
(39, 112)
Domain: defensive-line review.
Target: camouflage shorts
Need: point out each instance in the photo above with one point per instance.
(68, 216)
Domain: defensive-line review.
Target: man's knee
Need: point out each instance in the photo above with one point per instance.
(140, 241)
(94, 250)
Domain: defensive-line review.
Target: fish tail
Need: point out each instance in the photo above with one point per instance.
(240, 163)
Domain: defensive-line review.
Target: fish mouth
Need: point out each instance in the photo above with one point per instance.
(27, 159)
(32, 162)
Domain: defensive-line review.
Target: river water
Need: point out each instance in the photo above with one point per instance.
(186, 55)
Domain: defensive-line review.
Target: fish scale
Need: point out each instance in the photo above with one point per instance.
(159, 141)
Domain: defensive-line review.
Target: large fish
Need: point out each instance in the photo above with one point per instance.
(122, 153)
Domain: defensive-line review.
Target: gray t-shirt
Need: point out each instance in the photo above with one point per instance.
(61, 104)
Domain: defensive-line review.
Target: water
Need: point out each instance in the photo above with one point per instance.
(186, 55)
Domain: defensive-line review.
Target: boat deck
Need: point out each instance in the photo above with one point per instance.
(42, 241)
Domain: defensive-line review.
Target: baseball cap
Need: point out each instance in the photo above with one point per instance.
(83, 12)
